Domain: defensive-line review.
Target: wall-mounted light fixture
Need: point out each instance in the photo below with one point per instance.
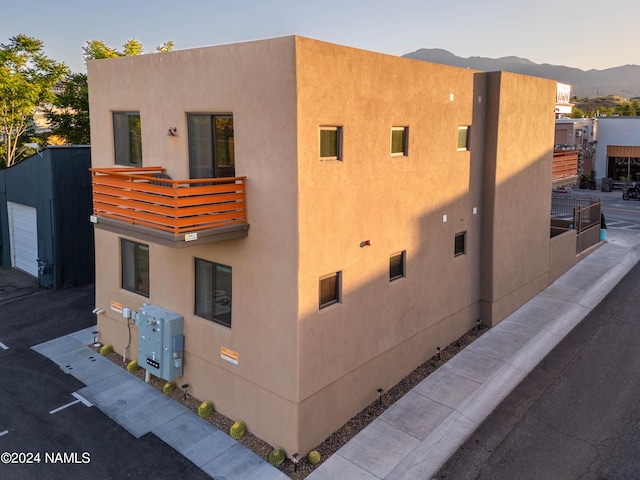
(173, 132)
(365, 243)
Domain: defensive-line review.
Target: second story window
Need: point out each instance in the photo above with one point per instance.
(211, 146)
(330, 143)
(463, 138)
(127, 138)
(400, 141)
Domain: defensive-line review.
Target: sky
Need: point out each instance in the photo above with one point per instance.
(586, 34)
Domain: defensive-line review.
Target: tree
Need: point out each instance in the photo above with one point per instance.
(625, 109)
(69, 119)
(97, 49)
(577, 113)
(27, 78)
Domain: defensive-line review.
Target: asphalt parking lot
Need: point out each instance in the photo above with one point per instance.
(48, 431)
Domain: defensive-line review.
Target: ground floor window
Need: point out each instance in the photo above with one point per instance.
(213, 292)
(623, 167)
(330, 289)
(460, 246)
(135, 266)
(396, 266)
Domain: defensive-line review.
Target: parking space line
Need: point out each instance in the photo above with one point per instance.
(78, 399)
(4, 433)
(3, 346)
(56, 410)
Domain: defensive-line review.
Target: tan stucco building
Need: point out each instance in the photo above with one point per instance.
(374, 209)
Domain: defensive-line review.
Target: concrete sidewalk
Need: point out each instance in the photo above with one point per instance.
(416, 435)
(141, 409)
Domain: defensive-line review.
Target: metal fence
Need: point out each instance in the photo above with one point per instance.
(578, 213)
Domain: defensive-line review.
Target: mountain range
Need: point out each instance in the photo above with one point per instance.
(623, 81)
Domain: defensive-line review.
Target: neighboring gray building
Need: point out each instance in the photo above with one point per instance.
(45, 203)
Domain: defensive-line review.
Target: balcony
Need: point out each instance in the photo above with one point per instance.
(145, 203)
(565, 167)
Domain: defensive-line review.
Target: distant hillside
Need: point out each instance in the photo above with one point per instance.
(623, 81)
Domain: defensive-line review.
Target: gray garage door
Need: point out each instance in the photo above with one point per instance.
(23, 235)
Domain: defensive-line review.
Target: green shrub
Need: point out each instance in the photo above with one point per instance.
(168, 388)
(205, 409)
(314, 457)
(133, 366)
(276, 456)
(237, 429)
(106, 350)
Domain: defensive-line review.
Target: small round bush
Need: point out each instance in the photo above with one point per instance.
(314, 457)
(276, 456)
(106, 350)
(133, 366)
(168, 387)
(205, 409)
(238, 429)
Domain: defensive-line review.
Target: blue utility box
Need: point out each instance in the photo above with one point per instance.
(160, 341)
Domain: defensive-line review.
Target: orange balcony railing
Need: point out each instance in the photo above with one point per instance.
(565, 164)
(140, 196)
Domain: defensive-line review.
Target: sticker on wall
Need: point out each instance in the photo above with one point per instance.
(229, 355)
(116, 307)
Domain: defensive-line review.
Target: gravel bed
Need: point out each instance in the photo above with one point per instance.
(336, 440)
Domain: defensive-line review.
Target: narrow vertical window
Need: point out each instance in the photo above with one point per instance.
(127, 134)
(330, 289)
(460, 244)
(463, 138)
(396, 265)
(331, 143)
(135, 267)
(400, 141)
(213, 292)
(211, 146)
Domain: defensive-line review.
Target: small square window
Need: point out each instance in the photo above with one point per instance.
(399, 141)
(460, 244)
(330, 289)
(463, 138)
(331, 143)
(396, 265)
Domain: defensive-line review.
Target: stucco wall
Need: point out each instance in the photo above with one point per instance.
(517, 182)
(562, 254)
(254, 81)
(381, 330)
